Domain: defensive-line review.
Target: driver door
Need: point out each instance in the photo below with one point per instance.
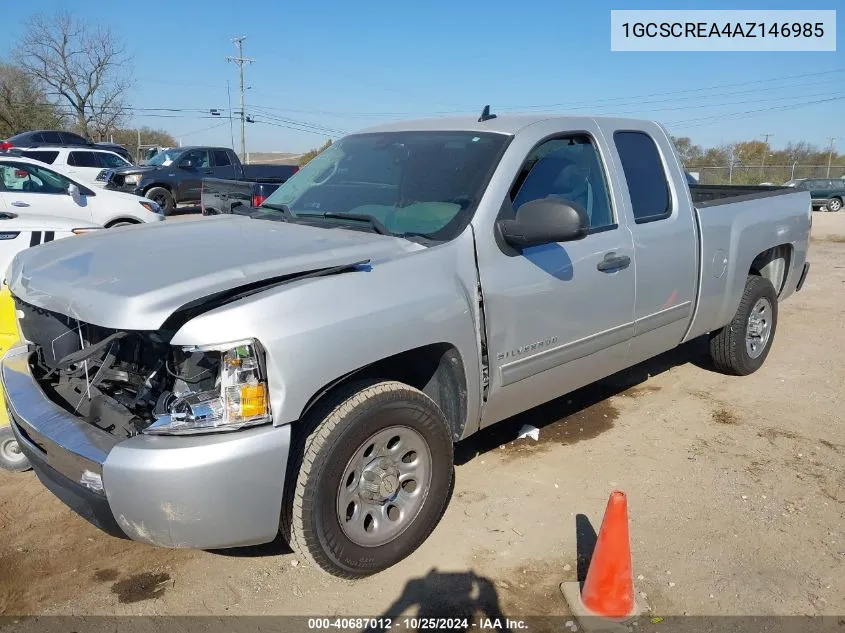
(560, 315)
(191, 177)
(30, 188)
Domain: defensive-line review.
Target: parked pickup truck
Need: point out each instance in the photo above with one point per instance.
(307, 369)
(175, 175)
(238, 196)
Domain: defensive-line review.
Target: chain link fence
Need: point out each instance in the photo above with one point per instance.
(755, 175)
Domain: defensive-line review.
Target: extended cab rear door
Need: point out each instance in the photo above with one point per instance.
(559, 316)
(665, 237)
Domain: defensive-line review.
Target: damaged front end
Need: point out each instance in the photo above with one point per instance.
(131, 382)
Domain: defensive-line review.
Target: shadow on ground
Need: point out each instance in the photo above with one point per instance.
(453, 596)
(590, 399)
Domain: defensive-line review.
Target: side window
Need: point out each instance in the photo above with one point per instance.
(111, 161)
(199, 157)
(54, 138)
(221, 158)
(568, 168)
(69, 138)
(43, 156)
(83, 159)
(646, 178)
(33, 179)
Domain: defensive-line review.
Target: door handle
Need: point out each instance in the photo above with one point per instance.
(19, 203)
(613, 262)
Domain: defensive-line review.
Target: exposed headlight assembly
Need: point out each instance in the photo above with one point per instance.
(237, 399)
(132, 179)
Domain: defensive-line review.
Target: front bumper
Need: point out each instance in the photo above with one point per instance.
(133, 189)
(208, 492)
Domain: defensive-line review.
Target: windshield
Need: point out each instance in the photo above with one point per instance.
(163, 158)
(421, 183)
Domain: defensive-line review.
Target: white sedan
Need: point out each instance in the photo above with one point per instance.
(29, 186)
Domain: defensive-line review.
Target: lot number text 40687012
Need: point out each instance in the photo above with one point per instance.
(416, 624)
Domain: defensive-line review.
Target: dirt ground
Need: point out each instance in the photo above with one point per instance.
(736, 491)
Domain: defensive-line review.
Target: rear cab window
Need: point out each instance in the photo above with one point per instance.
(645, 176)
(221, 158)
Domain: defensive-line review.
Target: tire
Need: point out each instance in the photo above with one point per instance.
(835, 205)
(162, 197)
(11, 457)
(327, 522)
(121, 223)
(737, 349)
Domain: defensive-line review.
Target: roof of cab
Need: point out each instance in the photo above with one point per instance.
(502, 123)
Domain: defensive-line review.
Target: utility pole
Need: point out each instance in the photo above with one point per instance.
(240, 60)
(830, 154)
(231, 129)
(765, 151)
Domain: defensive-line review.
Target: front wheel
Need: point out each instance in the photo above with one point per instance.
(834, 205)
(741, 347)
(11, 457)
(373, 470)
(163, 198)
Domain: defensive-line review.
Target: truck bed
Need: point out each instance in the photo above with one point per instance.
(711, 195)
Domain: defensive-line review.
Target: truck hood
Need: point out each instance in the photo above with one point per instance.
(134, 169)
(134, 278)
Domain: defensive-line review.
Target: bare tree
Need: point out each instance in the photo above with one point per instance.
(23, 104)
(82, 65)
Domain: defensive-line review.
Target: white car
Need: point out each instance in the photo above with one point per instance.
(19, 232)
(84, 163)
(30, 186)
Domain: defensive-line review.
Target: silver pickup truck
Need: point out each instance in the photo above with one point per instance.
(307, 369)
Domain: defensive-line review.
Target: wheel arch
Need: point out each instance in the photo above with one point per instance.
(114, 221)
(773, 264)
(436, 369)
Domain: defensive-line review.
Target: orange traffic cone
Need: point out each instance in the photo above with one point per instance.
(607, 597)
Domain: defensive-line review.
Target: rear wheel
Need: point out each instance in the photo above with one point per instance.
(835, 204)
(370, 476)
(11, 456)
(163, 198)
(741, 347)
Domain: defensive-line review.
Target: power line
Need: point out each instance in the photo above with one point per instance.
(240, 60)
(718, 118)
(320, 128)
(298, 129)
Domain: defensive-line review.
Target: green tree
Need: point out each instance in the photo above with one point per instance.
(307, 156)
(689, 153)
(23, 104)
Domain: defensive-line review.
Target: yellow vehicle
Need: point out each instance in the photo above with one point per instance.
(18, 232)
(11, 457)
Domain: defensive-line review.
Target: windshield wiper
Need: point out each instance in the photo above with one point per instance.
(285, 209)
(376, 225)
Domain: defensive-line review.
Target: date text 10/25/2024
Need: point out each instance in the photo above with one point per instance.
(416, 624)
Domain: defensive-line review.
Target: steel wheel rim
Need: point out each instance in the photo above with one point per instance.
(11, 451)
(384, 486)
(758, 330)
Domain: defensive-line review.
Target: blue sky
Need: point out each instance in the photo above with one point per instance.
(332, 67)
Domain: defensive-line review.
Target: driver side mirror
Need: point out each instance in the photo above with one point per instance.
(73, 192)
(186, 164)
(544, 221)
